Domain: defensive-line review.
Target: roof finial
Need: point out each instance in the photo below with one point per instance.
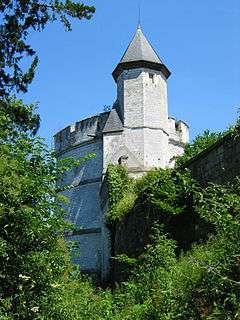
(139, 14)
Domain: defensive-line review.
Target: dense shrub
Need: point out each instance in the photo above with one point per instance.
(201, 142)
(203, 282)
(33, 254)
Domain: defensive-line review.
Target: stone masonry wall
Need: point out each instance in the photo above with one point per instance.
(143, 100)
(84, 210)
(219, 163)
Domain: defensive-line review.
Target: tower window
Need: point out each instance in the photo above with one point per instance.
(151, 77)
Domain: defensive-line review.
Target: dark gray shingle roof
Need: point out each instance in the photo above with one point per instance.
(113, 123)
(140, 49)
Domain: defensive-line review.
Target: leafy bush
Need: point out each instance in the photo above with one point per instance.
(203, 283)
(164, 196)
(77, 298)
(200, 143)
(33, 254)
(204, 141)
(120, 192)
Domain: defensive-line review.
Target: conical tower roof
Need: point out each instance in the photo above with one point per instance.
(139, 54)
(140, 49)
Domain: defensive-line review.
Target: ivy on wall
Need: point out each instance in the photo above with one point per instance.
(120, 192)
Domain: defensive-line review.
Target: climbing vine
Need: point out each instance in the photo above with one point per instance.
(120, 190)
(117, 177)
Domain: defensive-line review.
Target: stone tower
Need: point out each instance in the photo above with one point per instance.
(137, 132)
(142, 97)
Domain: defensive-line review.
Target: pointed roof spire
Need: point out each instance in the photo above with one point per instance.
(140, 49)
(140, 53)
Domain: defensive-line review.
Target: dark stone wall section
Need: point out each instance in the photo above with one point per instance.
(219, 163)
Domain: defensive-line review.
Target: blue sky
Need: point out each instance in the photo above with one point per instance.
(199, 41)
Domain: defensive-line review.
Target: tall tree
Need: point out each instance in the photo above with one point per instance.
(33, 255)
(19, 18)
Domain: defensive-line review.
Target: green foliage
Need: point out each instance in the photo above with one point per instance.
(158, 189)
(161, 195)
(120, 192)
(117, 181)
(123, 258)
(18, 19)
(37, 280)
(17, 118)
(77, 298)
(200, 143)
(33, 255)
(122, 207)
(165, 190)
(202, 283)
(34, 258)
(205, 140)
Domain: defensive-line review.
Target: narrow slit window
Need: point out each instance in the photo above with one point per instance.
(151, 77)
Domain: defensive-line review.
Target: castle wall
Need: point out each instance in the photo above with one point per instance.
(178, 130)
(145, 148)
(155, 100)
(178, 137)
(88, 170)
(130, 143)
(80, 132)
(156, 153)
(84, 209)
(88, 253)
(175, 149)
(219, 163)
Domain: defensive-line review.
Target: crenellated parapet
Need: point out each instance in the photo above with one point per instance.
(178, 131)
(80, 132)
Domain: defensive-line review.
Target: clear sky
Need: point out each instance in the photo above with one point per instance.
(198, 40)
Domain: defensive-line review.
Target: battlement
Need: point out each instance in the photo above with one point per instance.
(178, 130)
(80, 132)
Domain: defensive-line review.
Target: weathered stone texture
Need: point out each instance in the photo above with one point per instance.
(88, 170)
(129, 143)
(156, 148)
(219, 163)
(142, 95)
(88, 244)
(80, 132)
(84, 208)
